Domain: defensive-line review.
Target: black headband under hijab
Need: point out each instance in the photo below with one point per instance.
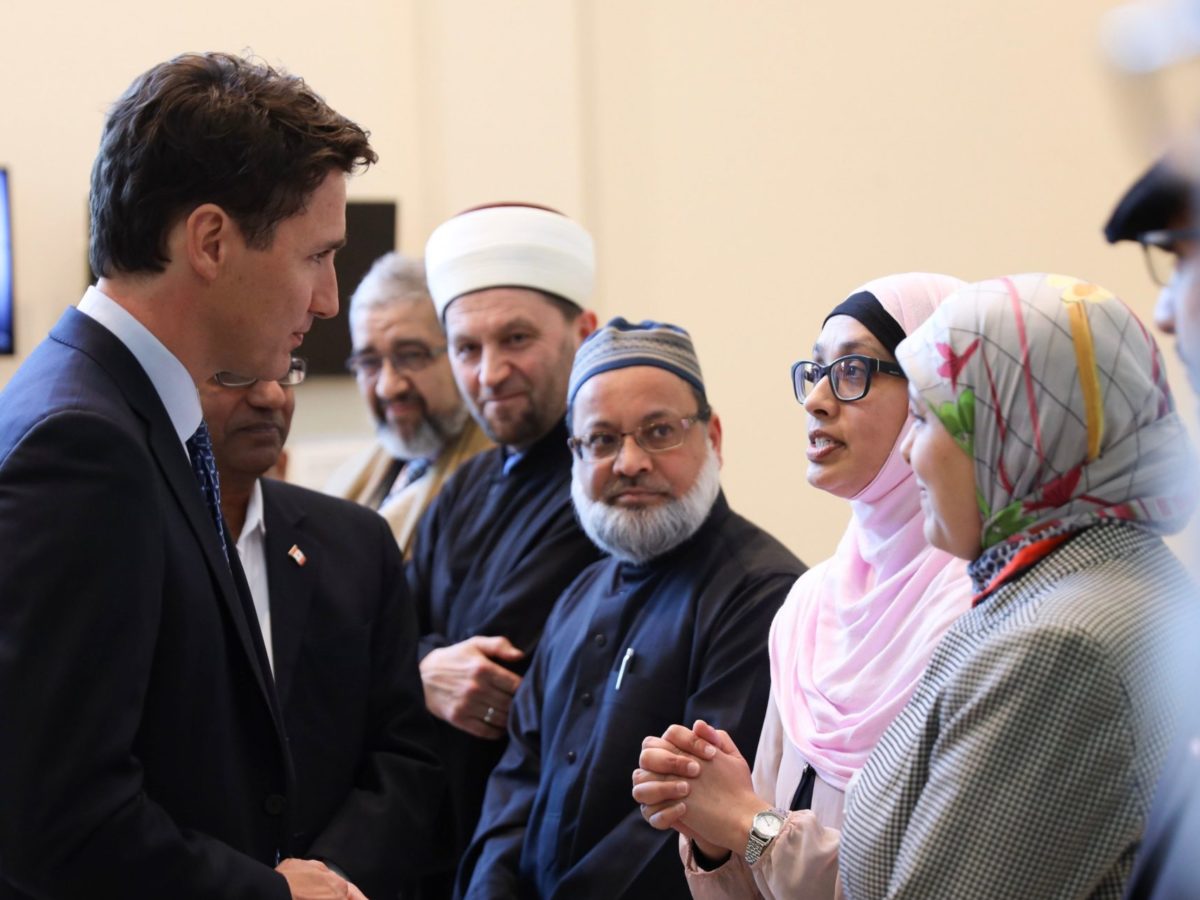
(865, 307)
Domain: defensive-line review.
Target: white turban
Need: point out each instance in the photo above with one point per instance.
(510, 246)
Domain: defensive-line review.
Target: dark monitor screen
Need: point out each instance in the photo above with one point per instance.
(370, 233)
(6, 268)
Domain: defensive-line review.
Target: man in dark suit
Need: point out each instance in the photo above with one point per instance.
(1157, 212)
(328, 584)
(142, 753)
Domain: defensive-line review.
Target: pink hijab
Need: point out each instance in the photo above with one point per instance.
(856, 631)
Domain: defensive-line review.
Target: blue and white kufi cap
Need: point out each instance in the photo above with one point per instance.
(621, 344)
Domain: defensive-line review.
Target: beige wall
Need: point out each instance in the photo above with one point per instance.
(743, 165)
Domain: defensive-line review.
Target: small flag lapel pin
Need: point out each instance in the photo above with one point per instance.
(297, 555)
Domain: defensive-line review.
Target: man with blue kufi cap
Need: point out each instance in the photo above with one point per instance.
(671, 627)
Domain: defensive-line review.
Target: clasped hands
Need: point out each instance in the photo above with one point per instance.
(695, 781)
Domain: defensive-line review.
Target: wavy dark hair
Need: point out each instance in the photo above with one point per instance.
(211, 128)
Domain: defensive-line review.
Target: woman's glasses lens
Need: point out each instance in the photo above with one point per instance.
(849, 378)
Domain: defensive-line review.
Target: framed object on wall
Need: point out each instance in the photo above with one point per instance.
(370, 233)
(7, 338)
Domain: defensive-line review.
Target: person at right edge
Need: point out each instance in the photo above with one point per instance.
(501, 541)
(1156, 211)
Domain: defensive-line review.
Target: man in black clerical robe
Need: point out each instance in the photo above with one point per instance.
(500, 542)
(672, 627)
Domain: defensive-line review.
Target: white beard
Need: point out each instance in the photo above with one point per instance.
(432, 435)
(640, 535)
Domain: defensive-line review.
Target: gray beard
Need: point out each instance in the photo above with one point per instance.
(432, 435)
(640, 535)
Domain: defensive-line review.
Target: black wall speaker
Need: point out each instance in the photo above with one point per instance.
(370, 233)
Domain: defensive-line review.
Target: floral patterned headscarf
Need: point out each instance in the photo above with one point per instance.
(1058, 393)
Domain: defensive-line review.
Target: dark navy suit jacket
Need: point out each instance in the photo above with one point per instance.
(141, 749)
(344, 635)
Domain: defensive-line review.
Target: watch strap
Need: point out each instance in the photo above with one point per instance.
(757, 843)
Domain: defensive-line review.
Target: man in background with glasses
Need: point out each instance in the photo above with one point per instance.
(1156, 213)
(671, 628)
(1167, 865)
(424, 431)
(341, 638)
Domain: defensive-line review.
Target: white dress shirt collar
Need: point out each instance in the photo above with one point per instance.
(170, 379)
(254, 521)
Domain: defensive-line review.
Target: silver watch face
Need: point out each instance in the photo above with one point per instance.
(768, 823)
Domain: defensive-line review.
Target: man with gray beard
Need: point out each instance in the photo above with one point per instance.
(424, 431)
(672, 627)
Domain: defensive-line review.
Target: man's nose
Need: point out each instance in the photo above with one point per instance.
(325, 294)
(267, 394)
(391, 381)
(1164, 308)
(631, 459)
(494, 367)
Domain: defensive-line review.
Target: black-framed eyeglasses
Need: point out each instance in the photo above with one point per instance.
(368, 364)
(849, 376)
(1161, 249)
(653, 437)
(296, 374)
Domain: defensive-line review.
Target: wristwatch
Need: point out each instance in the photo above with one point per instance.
(766, 825)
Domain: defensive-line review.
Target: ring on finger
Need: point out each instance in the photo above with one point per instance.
(487, 716)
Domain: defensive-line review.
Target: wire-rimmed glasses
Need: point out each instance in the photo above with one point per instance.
(653, 437)
(296, 374)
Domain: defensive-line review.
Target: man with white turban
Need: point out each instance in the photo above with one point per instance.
(511, 285)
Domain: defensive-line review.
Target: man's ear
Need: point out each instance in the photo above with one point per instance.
(584, 324)
(206, 234)
(714, 435)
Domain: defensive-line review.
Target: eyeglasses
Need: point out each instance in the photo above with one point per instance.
(368, 364)
(1162, 251)
(296, 374)
(653, 437)
(850, 376)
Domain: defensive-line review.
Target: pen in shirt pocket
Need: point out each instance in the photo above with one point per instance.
(624, 665)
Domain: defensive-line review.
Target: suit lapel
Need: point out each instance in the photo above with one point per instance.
(78, 330)
(164, 442)
(291, 584)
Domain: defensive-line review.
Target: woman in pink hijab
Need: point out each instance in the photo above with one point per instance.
(849, 644)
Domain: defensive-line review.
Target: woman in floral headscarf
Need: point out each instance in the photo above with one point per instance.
(1049, 454)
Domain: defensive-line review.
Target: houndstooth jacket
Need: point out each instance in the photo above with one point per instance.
(1025, 762)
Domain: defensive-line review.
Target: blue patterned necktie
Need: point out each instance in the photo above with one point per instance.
(204, 467)
(414, 470)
